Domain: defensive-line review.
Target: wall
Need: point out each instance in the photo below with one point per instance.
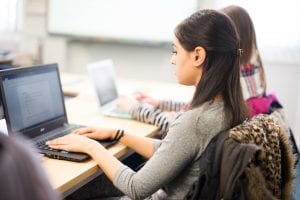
(152, 62)
(131, 61)
(283, 78)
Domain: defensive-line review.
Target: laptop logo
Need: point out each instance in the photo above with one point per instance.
(42, 130)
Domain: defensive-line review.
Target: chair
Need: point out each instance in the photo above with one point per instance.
(269, 104)
(297, 180)
(253, 160)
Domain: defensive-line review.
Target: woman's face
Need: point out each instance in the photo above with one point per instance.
(186, 71)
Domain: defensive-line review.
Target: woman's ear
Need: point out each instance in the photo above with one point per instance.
(199, 56)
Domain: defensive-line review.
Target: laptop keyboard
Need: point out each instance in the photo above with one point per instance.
(42, 144)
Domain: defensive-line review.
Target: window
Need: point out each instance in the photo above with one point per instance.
(124, 20)
(275, 21)
(10, 15)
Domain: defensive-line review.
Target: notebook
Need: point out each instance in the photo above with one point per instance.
(102, 75)
(33, 106)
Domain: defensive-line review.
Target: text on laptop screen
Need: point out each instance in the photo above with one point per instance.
(32, 98)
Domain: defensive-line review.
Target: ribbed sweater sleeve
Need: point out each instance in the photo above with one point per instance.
(151, 115)
(170, 105)
(175, 152)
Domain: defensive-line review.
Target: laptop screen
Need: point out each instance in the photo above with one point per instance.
(103, 76)
(32, 99)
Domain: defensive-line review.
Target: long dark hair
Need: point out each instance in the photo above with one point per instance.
(246, 31)
(215, 32)
(21, 176)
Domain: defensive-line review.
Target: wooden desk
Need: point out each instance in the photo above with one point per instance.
(84, 109)
(65, 175)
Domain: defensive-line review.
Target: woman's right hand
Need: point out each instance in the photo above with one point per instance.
(96, 133)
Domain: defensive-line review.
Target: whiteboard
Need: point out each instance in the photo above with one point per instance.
(129, 20)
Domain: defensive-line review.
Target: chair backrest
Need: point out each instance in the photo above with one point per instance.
(274, 162)
(250, 161)
(212, 166)
(277, 113)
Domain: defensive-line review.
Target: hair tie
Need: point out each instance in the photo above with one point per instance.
(239, 52)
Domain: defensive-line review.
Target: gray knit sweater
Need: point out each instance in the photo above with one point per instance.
(173, 165)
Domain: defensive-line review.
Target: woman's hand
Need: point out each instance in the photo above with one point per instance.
(144, 98)
(73, 142)
(96, 133)
(126, 103)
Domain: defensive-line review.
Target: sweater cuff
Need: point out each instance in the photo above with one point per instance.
(156, 144)
(134, 110)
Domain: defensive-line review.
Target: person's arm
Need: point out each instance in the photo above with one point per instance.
(147, 113)
(108, 163)
(151, 115)
(170, 105)
(142, 145)
(164, 105)
(176, 151)
(79, 143)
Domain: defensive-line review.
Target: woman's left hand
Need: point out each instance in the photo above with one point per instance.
(72, 142)
(126, 103)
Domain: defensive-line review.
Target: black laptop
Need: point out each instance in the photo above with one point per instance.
(34, 106)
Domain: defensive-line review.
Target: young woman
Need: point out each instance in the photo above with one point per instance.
(206, 55)
(21, 175)
(252, 72)
(253, 81)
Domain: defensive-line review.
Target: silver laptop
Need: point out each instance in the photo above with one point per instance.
(102, 75)
(33, 106)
